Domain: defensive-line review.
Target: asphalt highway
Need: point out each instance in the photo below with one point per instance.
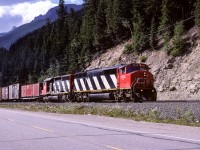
(21, 130)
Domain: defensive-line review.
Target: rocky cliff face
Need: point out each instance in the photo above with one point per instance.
(175, 78)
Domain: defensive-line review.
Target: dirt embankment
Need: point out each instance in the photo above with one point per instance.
(175, 78)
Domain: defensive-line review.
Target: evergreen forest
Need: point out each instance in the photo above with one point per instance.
(68, 44)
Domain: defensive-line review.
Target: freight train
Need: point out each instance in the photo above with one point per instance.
(124, 82)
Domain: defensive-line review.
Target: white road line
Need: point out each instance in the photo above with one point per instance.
(112, 147)
(10, 120)
(116, 129)
(43, 129)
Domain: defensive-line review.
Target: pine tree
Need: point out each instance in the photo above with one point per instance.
(117, 20)
(139, 37)
(197, 13)
(100, 25)
(61, 29)
(153, 34)
(178, 43)
(88, 25)
(61, 12)
(165, 22)
(109, 17)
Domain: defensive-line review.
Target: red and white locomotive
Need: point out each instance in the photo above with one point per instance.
(132, 82)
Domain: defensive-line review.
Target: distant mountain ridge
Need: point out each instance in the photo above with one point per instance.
(6, 39)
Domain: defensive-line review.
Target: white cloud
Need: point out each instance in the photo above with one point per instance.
(3, 10)
(74, 1)
(27, 10)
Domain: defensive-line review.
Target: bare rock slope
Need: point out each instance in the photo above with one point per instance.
(175, 78)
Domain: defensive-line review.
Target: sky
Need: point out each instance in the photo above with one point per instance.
(18, 12)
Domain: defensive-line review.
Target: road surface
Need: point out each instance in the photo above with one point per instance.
(21, 130)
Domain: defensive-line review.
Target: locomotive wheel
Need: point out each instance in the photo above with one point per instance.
(127, 99)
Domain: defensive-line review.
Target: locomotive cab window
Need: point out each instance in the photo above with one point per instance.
(122, 70)
(132, 68)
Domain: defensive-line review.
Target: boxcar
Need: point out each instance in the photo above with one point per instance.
(14, 92)
(0, 94)
(31, 91)
(36, 89)
(5, 93)
(23, 91)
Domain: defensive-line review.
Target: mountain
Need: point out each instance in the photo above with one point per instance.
(1, 34)
(6, 39)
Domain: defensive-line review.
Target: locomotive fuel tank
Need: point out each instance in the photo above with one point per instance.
(101, 96)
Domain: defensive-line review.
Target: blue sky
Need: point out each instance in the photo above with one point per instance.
(18, 12)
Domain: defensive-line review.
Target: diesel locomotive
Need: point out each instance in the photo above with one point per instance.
(124, 82)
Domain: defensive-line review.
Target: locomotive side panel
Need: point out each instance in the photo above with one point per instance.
(57, 85)
(95, 81)
(62, 84)
(66, 84)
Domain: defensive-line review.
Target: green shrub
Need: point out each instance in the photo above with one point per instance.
(143, 59)
(128, 48)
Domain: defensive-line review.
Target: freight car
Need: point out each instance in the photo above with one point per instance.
(0, 94)
(5, 93)
(31, 92)
(132, 82)
(14, 92)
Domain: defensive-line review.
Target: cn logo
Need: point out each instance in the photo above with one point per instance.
(123, 77)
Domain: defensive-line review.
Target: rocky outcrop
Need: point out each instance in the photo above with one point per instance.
(175, 78)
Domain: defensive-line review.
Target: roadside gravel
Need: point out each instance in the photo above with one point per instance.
(172, 110)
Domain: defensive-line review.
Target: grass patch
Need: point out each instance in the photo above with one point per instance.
(153, 115)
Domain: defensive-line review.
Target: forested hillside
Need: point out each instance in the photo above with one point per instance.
(68, 44)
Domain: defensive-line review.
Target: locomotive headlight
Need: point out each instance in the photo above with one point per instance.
(141, 90)
(152, 90)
